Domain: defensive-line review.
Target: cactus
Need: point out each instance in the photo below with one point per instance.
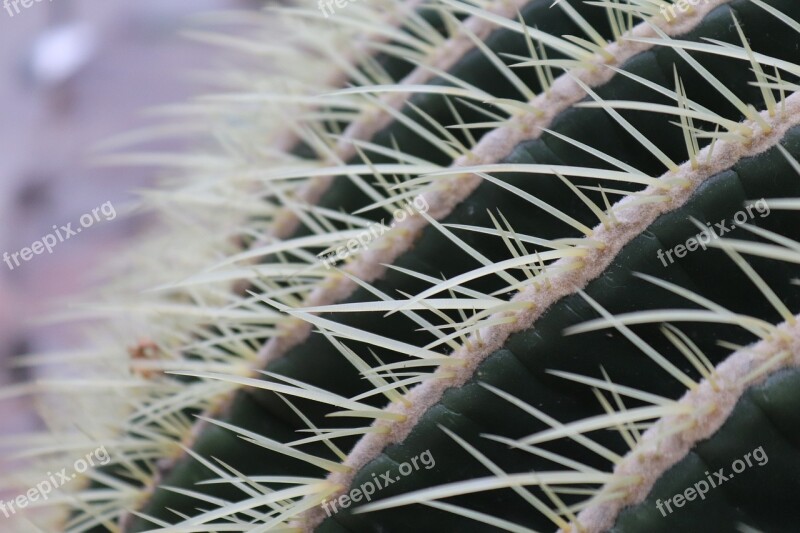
(482, 266)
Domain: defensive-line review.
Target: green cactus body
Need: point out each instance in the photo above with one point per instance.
(588, 308)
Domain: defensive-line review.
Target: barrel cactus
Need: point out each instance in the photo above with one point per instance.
(458, 265)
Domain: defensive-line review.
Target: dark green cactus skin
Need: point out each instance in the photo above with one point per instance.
(766, 416)
(520, 368)
(761, 495)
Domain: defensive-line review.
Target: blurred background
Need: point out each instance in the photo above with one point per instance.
(73, 73)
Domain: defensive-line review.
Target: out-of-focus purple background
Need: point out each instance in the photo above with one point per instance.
(72, 73)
